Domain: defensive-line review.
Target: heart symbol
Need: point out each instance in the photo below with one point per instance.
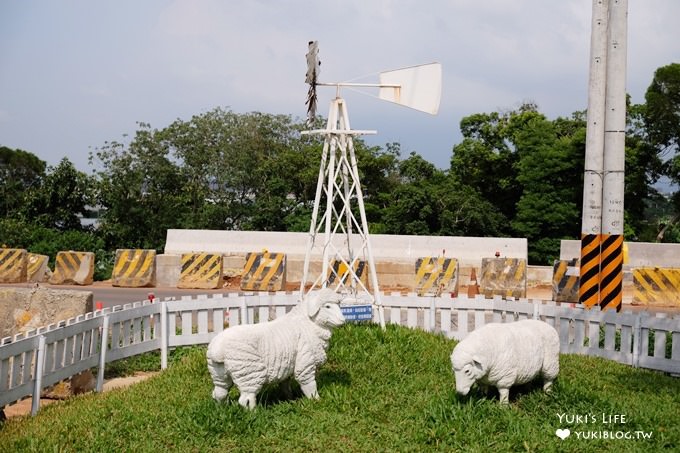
(563, 433)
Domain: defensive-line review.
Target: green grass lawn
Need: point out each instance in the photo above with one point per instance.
(380, 391)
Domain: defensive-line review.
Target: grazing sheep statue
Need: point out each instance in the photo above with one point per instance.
(295, 344)
(503, 355)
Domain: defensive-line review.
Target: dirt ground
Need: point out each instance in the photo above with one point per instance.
(23, 407)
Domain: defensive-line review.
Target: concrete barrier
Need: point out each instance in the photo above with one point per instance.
(201, 271)
(436, 275)
(264, 272)
(340, 270)
(38, 270)
(134, 268)
(12, 265)
(636, 254)
(168, 269)
(656, 286)
(565, 281)
(505, 277)
(23, 309)
(73, 268)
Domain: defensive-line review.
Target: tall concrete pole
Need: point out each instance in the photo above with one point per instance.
(591, 224)
(611, 266)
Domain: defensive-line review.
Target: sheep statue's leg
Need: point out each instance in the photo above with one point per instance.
(547, 386)
(221, 380)
(248, 400)
(309, 389)
(504, 395)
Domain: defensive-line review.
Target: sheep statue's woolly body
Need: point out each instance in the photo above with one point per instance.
(503, 355)
(293, 345)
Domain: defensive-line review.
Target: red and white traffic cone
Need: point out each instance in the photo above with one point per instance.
(473, 287)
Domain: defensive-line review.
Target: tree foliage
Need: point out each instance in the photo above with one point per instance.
(61, 198)
(19, 172)
(514, 173)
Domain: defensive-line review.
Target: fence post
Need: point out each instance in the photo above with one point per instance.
(537, 307)
(102, 354)
(164, 335)
(432, 315)
(637, 338)
(37, 382)
(244, 310)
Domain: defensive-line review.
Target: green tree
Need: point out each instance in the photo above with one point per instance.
(242, 171)
(140, 191)
(548, 170)
(61, 199)
(485, 160)
(643, 169)
(429, 201)
(20, 171)
(662, 112)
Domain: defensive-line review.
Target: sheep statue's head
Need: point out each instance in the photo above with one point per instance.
(323, 308)
(467, 369)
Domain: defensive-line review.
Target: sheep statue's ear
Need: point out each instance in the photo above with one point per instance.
(477, 362)
(321, 297)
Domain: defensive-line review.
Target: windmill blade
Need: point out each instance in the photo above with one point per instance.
(418, 87)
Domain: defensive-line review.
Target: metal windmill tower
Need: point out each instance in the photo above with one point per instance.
(338, 230)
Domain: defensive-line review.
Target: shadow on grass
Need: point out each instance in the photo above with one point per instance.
(489, 392)
(290, 390)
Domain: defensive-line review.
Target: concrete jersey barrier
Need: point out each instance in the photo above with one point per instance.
(134, 268)
(13, 265)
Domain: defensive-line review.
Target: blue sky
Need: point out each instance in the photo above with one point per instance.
(75, 74)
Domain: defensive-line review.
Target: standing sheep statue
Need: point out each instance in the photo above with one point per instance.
(295, 344)
(503, 355)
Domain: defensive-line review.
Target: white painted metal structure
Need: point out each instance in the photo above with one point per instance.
(339, 187)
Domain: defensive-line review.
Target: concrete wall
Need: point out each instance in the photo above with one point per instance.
(640, 254)
(386, 248)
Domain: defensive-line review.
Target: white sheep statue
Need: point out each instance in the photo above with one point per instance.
(293, 345)
(506, 354)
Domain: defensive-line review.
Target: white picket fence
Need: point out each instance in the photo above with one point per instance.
(40, 358)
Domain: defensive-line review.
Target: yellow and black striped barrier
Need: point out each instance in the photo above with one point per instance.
(611, 272)
(565, 280)
(589, 280)
(656, 286)
(340, 269)
(506, 277)
(73, 268)
(436, 275)
(134, 268)
(264, 272)
(37, 270)
(200, 271)
(12, 265)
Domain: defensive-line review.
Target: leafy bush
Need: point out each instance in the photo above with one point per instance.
(46, 241)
